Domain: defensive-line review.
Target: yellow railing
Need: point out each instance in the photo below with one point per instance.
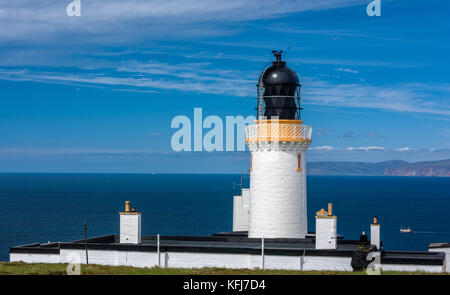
(282, 131)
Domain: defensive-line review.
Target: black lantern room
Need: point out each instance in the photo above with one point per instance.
(280, 89)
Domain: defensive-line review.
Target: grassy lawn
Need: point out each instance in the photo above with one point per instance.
(20, 268)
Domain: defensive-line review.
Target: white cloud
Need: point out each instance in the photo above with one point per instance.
(365, 148)
(204, 77)
(117, 21)
(151, 75)
(347, 70)
(403, 149)
(322, 148)
(404, 97)
(47, 19)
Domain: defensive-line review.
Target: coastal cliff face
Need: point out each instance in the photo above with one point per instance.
(387, 168)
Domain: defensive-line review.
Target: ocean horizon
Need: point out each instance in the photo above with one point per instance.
(42, 207)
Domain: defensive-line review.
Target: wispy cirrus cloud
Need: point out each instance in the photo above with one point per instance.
(322, 148)
(117, 20)
(123, 22)
(365, 148)
(157, 78)
(335, 33)
(347, 70)
(204, 77)
(403, 149)
(403, 97)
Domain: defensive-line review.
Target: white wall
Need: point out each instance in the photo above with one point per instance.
(278, 194)
(34, 258)
(326, 236)
(411, 267)
(130, 228)
(375, 235)
(304, 215)
(241, 211)
(447, 256)
(112, 257)
(189, 260)
(327, 263)
(199, 260)
(308, 263)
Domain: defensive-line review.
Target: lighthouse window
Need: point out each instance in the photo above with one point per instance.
(299, 162)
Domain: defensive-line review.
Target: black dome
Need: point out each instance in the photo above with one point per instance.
(279, 73)
(280, 89)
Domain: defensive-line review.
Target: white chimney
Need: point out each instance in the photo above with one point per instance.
(375, 233)
(241, 211)
(326, 232)
(130, 225)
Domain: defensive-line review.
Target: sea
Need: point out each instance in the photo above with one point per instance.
(53, 207)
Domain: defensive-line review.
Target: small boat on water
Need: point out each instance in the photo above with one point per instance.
(406, 230)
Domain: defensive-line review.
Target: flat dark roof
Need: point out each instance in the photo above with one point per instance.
(439, 245)
(220, 243)
(412, 257)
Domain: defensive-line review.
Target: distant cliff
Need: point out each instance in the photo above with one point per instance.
(387, 168)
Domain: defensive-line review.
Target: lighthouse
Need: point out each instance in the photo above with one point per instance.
(278, 141)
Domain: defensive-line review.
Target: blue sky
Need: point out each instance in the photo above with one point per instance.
(97, 93)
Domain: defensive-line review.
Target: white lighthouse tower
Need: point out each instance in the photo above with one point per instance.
(278, 142)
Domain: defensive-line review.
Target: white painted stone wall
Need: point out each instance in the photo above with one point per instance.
(412, 267)
(308, 263)
(326, 235)
(112, 257)
(241, 211)
(199, 260)
(189, 260)
(304, 211)
(447, 256)
(375, 235)
(34, 257)
(278, 191)
(328, 263)
(130, 228)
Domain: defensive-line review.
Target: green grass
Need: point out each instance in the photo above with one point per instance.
(20, 268)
